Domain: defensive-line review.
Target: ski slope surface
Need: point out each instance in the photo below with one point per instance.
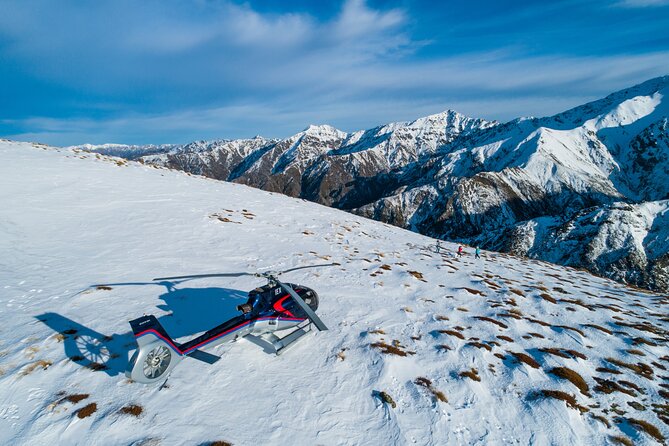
(423, 347)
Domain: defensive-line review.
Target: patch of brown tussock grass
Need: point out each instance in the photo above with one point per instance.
(639, 368)
(647, 428)
(570, 400)
(473, 291)
(620, 439)
(571, 376)
(658, 365)
(537, 321)
(567, 327)
(525, 359)
(644, 326)
(480, 345)
(132, 409)
(640, 341)
(608, 386)
(563, 353)
(547, 297)
(597, 327)
(392, 349)
(87, 410)
(578, 302)
(44, 364)
(417, 275)
(424, 382)
(492, 321)
(601, 419)
(634, 351)
(452, 333)
(472, 374)
(74, 399)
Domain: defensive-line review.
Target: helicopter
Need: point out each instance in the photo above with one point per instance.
(274, 307)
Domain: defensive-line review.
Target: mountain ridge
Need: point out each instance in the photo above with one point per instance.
(455, 177)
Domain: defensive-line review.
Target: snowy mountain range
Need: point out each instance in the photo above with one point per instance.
(587, 187)
(423, 347)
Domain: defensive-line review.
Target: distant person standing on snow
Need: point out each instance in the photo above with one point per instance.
(460, 251)
(478, 253)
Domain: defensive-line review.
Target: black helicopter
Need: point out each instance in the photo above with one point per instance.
(274, 307)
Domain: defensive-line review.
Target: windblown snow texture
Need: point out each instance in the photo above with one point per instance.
(423, 348)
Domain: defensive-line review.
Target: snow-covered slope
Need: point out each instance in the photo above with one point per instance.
(127, 151)
(488, 343)
(627, 242)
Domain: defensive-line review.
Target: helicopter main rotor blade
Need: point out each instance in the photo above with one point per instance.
(309, 266)
(307, 309)
(199, 276)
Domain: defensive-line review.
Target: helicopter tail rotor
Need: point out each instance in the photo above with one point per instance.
(157, 354)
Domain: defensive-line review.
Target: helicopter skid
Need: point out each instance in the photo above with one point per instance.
(281, 344)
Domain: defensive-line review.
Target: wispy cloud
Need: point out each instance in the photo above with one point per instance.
(171, 71)
(641, 3)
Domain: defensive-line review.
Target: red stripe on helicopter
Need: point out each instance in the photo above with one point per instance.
(278, 306)
(207, 341)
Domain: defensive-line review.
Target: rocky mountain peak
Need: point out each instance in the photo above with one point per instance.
(468, 179)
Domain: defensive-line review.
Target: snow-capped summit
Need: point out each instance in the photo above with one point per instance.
(323, 130)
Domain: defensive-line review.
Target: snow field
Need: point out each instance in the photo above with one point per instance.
(82, 236)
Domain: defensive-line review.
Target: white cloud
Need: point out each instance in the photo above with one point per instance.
(172, 71)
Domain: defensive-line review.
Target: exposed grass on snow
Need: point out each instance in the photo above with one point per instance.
(42, 363)
(608, 386)
(570, 400)
(392, 349)
(132, 409)
(619, 439)
(525, 359)
(472, 374)
(424, 382)
(87, 410)
(647, 428)
(491, 320)
(75, 398)
(573, 377)
(452, 333)
(563, 352)
(639, 368)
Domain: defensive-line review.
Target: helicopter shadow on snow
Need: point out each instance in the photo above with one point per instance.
(189, 311)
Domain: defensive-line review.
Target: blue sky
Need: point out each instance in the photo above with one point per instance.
(173, 71)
